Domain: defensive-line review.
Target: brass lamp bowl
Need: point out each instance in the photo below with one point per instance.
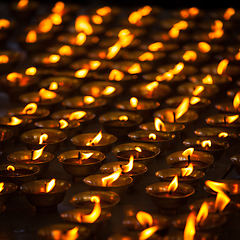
(8, 190)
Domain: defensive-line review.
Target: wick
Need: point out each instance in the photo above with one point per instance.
(170, 192)
(32, 154)
(174, 117)
(189, 160)
(224, 120)
(161, 127)
(180, 176)
(79, 157)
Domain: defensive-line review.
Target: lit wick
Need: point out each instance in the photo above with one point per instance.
(79, 157)
(174, 117)
(32, 154)
(224, 120)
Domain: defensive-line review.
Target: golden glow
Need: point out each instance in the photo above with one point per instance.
(198, 90)
(30, 108)
(37, 153)
(134, 17)
(97, 19)
(152, 136)
(191, 12)
(166, 76)
(104, 11)
(151, 86)
(189, 230)
(82, 73)
(14, 76)
(138, 149)
(182, 108)
(159, 125)
(82, 25)
(31, 71)
(65, 50)
(148, 232)
(145, 219)
(222, 134)
(133, 102)
(123, 118)
(202, 214)
(206, 143)
(228, 13)
(173, 32)
(222, 66)
(14, 121)
(22, 4)
(113, 50)
(147, 56)
(128, 167)
(88, 99)
(62, 123)
(95, 140)
(231, 119)
(187, 171)
(145, 10)
(236, 101)
(207, 80)
(217, 186)
(54, 58)
(123, 33)
(190, 56)
(10, 168)
(77, 115)
(31, 36)
(181, 25)
(46, 94)
(108, 180)
(85, 156)
(108, 90)
(135, 68)
(43, 137)
(4, 59)
(4, 23)
(155, 46)
(116, 75)
(58, 7)
(188, 152)
(177, 69)
(71, 234)
(45, 25)
(194, 100)
(53, 86)
(173, 184)
(204, 47)
(94, 64)
(237, 56)
(126, 40)
(1, 186)
(50, 185)
(55, 18)
(81, 38)
(216, 34)
(221, 202)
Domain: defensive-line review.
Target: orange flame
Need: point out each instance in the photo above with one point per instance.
(116, 75)
(191, 12)
(134, 17)
(187, 171)
(94, 65)
(151, 86)
(97, 19)
(53, 86)
(190, 230)
(77, 115)
(82, 25)
(88, 99)
(108, 180)
(228, 13)
(204, 47)
(222, 66)
(217, 186)
(152, 136)
(133, 102)
(237, 56)
(206, 143)
(108, 90)
(81, 38)
(135, 68)
(37, 153)
(128, 167)
(145, 219)
(1, 186)
(216, 34)
(166, 76)
(10, 168)
(45, 25)
(202, 214)
(159, 125)
(43, 137)
(217, 25)
(190, 55)
(126, 40)
(95, 140)
(182, 108)
(50, 185)
(30, 108)
(65, 50)
(198, 90)
(147, 233)
(147, 56)
(155, 46)
(58, 7)
(54, 58)
(31, 36)
(71, 234)
(222, 134)
(194, 100)
(63, 123)
(31, 71)
(173, 184)
(14, 76)
(231, 119)
(221, 202)
(45, 94)
(138, 149)
(55, 18)
(123, 118)
(188, 152)
(85, 156)
(14, 121)
(113, 50)
(178, 68)
(173, 32)
(22, 4)
(104, 11)
(181, 25)
(236, 101)
(145, 10)
(207, 80)
(4, 23)
(82, 73)
(4, 59)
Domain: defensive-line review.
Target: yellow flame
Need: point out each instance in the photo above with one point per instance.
(58, 7)
(125, 40)
(82, 25)
(198, 90)
(147, 56)
(148, 232)
(116, 75)
(77, 115)
(152, 136)
(104, 11)
(217, 186)
(128, 167)
(221, 202)
(108, 180)
(173, 184)
(133, 102)
(88, 99)
(134, 17)
(187, 171)
(236, 101)
(108, 90)
(190, 55)
(31, 71)
(50, 185)
(85, 156)
(14, 121)
(155, 46)
(81, 39)
(65, 50)
(159, 125)
(188, 152)
(22, 4)
(53, 86)
(138, 149)
(97, 19)
(189, 230)
(191, 12)
(207, 80)
(202, 214)
(145, 219)
(123, 118)
(194, 100)
(1, 186)
(46, 94)
(94, 64)
(231, 119)
(228, 13)
(4, 59)
(204, 47)
(113, 50)
(222, 66)
(4, 23)
(222, 134)
(30, 108)
(31, 36)
(71, 234)
(135, 68)
(54, 58)
(62, 123)
(173, 32)
(206, 143)
(14, 76)
(37, 153)
(182, 108)
(10, 168)
(82, 73)
(95, 140)
(43, 137)
(56, 18)
(45, 25)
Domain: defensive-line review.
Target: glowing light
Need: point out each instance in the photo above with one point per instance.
(4, 59)
(46, 94)
(11, 168)
(148, 232)
(147, 56)
(159, 125)
(198, 90)
(82, 73)
(194, 100)
(123, 118)
(182, 108)
(54, 58)
(228, 13)
(204, 47)
(222, 134)
(231, 119)
(45, 25)
(31, 71)
(4, 23)
(113, 50)
(14, 76)
(221, 202)
(207, 80)
(77, 115)
(65, 50)
(31, 36)
(135, 68)
(145, 219)
(173, 184)
(50, 185)
(222, 66)
(37, 153)
(53, 86)
(22, 4)
(133, 102)
(30, 108)
(187, 171)
(62, 123)
(82, 25)
(43, 137)
(236, 101)
(108, 180)
(202, 214)
(95, 140)
(97, 19)
(81, 39)
(206, 143)
(128, 167)
(116, 75)
(188, 152)
(1, 186)
(155, 46)
(14, 121)
(189, 230)
(104, 11)
(217, 186)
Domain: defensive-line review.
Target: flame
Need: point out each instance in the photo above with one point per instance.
(191, 12)
(108, 90)
(151, 86)
(22, 4)
(108, 180)
(55, 18)
(63, 123)
(148, 232)
(133, 102)
(228, 13)
(152, 136)
(236, 101)
(128, 167)
(53, 86)
(77, 115)
(58, 7)
(31, 71)
(222, 66)
(37, 153)
(221, 202)
(71, 234)
(202, 214)
(14, 121)
(198, 90)
(65, 50)
(147, 56)
(188, 152)
(134, 17)
(4, 23)
(95, 140)
(204, 47)
(14, 76)
(173, 32)
(97, 19)
(54, 58)
(190, 55)
(81, 39)
(145, 219)
(123, 33)
(138, 149)
(50, 185)
(207, 80)
(159, 125)
(31, 36)
(125, 40)
(189, 230)
(123, 118)
(187, 171)
(85, 156)
(88, 99)
(94, 65)
(135, 68)
(216, 34)
(173, 184)
(217, 186)
(231, 119)
(113, 50)
(30, 108)
(166, 76)
(43, 137)
(94, 215)
(1, 186)
(45, 25)
(82, 73)
(145, 10)
(182, 108)
(104, 11)
(194, 100)
(116, 75)
(10, 168)
(155, 46)
(45, 94)
(177, 69)
(222, 134)
(4, 59)
(217, 25)
(82, 25)
(206, 143)
(237, 56)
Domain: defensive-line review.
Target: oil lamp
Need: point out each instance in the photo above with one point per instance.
(45, 194)
(91, 65)
(7, 189)
(81, 163)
